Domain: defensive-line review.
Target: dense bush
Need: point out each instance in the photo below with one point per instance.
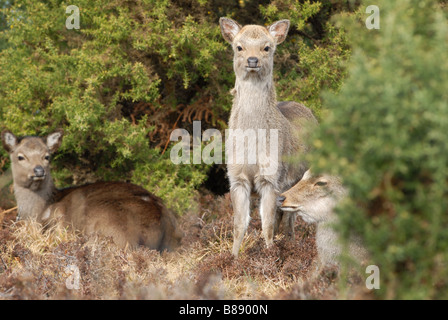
(135, 70)
(385, 134)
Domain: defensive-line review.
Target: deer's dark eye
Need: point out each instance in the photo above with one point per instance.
(47, 158)
(239, 48)
(267, 48)
(21, 158)
(321, 183)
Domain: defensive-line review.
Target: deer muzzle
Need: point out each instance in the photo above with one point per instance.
(39, 173)
(252, 62)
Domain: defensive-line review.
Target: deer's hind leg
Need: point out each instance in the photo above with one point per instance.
(284, 223)
(268, 207)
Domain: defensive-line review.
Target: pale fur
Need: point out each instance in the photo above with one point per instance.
(255, 107)
(127, 213)
(314, 199)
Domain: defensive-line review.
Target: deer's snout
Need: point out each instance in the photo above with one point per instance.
(39, 171)
(280, 200)
(252, 62)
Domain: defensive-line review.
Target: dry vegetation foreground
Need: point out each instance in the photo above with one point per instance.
(35, 264)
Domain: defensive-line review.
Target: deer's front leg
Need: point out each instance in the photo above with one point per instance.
(240, 195)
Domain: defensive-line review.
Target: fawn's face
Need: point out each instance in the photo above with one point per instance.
(253, 46)
(313, 197)
(30, 158)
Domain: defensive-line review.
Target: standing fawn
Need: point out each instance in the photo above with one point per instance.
(314, 199)
(255, 108)
(128, 213)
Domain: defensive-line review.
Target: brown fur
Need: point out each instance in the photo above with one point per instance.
(126, 212)
(255, 107)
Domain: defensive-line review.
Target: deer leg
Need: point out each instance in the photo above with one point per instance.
(278, 220)
(240, 195)
(284, 223)
(268, 212)
(287, 224)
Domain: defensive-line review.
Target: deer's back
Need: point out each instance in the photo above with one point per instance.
(126, 212)
(300, 117)
(294, 111)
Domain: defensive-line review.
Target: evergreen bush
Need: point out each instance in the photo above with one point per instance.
(385, 134)
(136, 70)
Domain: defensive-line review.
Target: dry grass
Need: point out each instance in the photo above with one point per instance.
(34, 263)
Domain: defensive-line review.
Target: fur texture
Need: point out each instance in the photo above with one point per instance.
(255, 108)
(128, 213)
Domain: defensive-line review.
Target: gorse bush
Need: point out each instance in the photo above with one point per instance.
(385, 134)
(314, 55)
(84, 80)
(135, 70)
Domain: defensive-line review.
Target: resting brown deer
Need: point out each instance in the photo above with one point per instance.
(255, 108)
(126, 212)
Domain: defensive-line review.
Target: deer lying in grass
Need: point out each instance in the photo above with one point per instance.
(128, 213)
(255, 107)
(314, 199)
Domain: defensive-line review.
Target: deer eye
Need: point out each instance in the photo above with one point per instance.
(320, 183)
(47, 158)
(239, 48)
(267, 48)
(20, 158)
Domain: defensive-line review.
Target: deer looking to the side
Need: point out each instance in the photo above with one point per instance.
(314, 198)
(255, 107)
(127, 213)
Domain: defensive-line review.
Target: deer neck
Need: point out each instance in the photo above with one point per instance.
(31, 203)
(254, 104)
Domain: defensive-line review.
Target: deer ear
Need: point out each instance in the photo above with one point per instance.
(54, 140)
(307, 174)
(279, 30)
(229, 28)
(9, 141)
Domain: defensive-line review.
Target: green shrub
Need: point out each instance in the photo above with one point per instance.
(385, 134)
(313, 57)
(88, 81)
(135, 70)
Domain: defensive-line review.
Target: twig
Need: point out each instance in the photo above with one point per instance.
(9, 210)
(175, 124)
(64, 256)
(2, 214)
(6, 294)
(6, 267)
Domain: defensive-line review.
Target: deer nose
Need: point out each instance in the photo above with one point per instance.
(280, 200)
(252, 62)
(39, 171)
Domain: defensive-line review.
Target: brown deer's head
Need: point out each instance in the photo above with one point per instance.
(313, 197)
(30, 157)
(253, 46)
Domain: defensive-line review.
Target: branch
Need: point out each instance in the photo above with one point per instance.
(2, 214)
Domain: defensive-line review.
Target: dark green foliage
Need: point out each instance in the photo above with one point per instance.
(385, 134)
(135, 70)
